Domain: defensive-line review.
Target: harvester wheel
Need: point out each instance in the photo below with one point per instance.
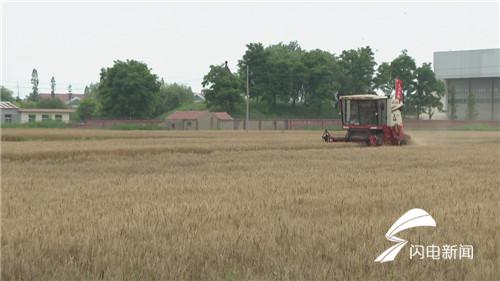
(372, 140)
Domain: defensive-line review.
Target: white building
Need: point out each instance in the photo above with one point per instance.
(12, 114)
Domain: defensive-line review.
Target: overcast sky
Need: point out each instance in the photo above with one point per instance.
(179, 41)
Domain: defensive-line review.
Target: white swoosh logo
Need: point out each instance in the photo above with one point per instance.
(412, 218)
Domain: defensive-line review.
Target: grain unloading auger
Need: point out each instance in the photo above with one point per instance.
(371, 119)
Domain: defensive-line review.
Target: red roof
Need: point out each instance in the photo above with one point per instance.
(7, 105)
(223, 116)
(63, 97)
(193, 115)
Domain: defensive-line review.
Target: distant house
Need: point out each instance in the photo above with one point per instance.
(67, 98)
(197, 120)
(9, 112)
(12, 114)
(199, 98)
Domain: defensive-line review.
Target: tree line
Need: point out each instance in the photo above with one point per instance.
(278, 75)
(287, 74)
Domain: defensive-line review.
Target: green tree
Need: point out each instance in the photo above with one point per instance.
(53, 87)
(223, 88)
(428, 91)
(34, 82)
(128, 90)
(91, 90)
(171, 96)
(87, 109)
(257, 59)
(384, 79)
(70, 92)
(6, 94)
(320, 84)
(288, 72)
(403, 67)
(453, 103)
(50, 103)
(276, 72)
(358, 68)
(471, 106)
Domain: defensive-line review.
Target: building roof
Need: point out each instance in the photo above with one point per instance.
(7, 105)
(363, 97)
(64, 97)
(467, 64)
(47, 110)
(193, 115)
(223, 116)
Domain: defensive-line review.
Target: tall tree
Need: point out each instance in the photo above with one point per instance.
(223, 88)
(428, 92)
(358, 67)
(285, 71)
(171, 96)
(453, 103)
(34, 82)
(53, 87)
(403, 67)
(257, 59)
(87, 109)
(128, 90)
(70, 92)
(471, 106)
(384, 79)
(6, 94)
(320, 84)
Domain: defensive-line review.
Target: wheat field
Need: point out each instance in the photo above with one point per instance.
(219, 205)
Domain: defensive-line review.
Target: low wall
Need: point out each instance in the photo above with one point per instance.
(102, 124)
(414, 124)
(291, 124)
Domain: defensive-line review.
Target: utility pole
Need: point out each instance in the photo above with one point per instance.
(248, 98)
(18, 90)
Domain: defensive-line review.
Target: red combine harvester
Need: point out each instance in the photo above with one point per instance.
(371, 119)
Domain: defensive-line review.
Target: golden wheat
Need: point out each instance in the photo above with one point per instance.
(95, 204)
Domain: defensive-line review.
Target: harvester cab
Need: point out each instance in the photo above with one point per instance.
(371, 119)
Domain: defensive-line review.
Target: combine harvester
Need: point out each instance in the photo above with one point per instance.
(372, 119)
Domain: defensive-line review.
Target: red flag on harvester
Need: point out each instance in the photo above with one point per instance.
(399, 90)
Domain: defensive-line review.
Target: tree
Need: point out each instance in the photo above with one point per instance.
(87, 109)
(453, 103)
(171, 96)
(52, 87)
(286, 72)
(384, 79)
(224, 88)
(128, 90)
(358, 67)
(471, 106)
(428, 92)
(320, 84)
(91, 90)
(403, 67)
(50, 103)
(6, 94)
(34, 82)
(70, 92)
(257, 59)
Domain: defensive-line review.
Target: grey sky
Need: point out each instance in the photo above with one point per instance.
(179, 41)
